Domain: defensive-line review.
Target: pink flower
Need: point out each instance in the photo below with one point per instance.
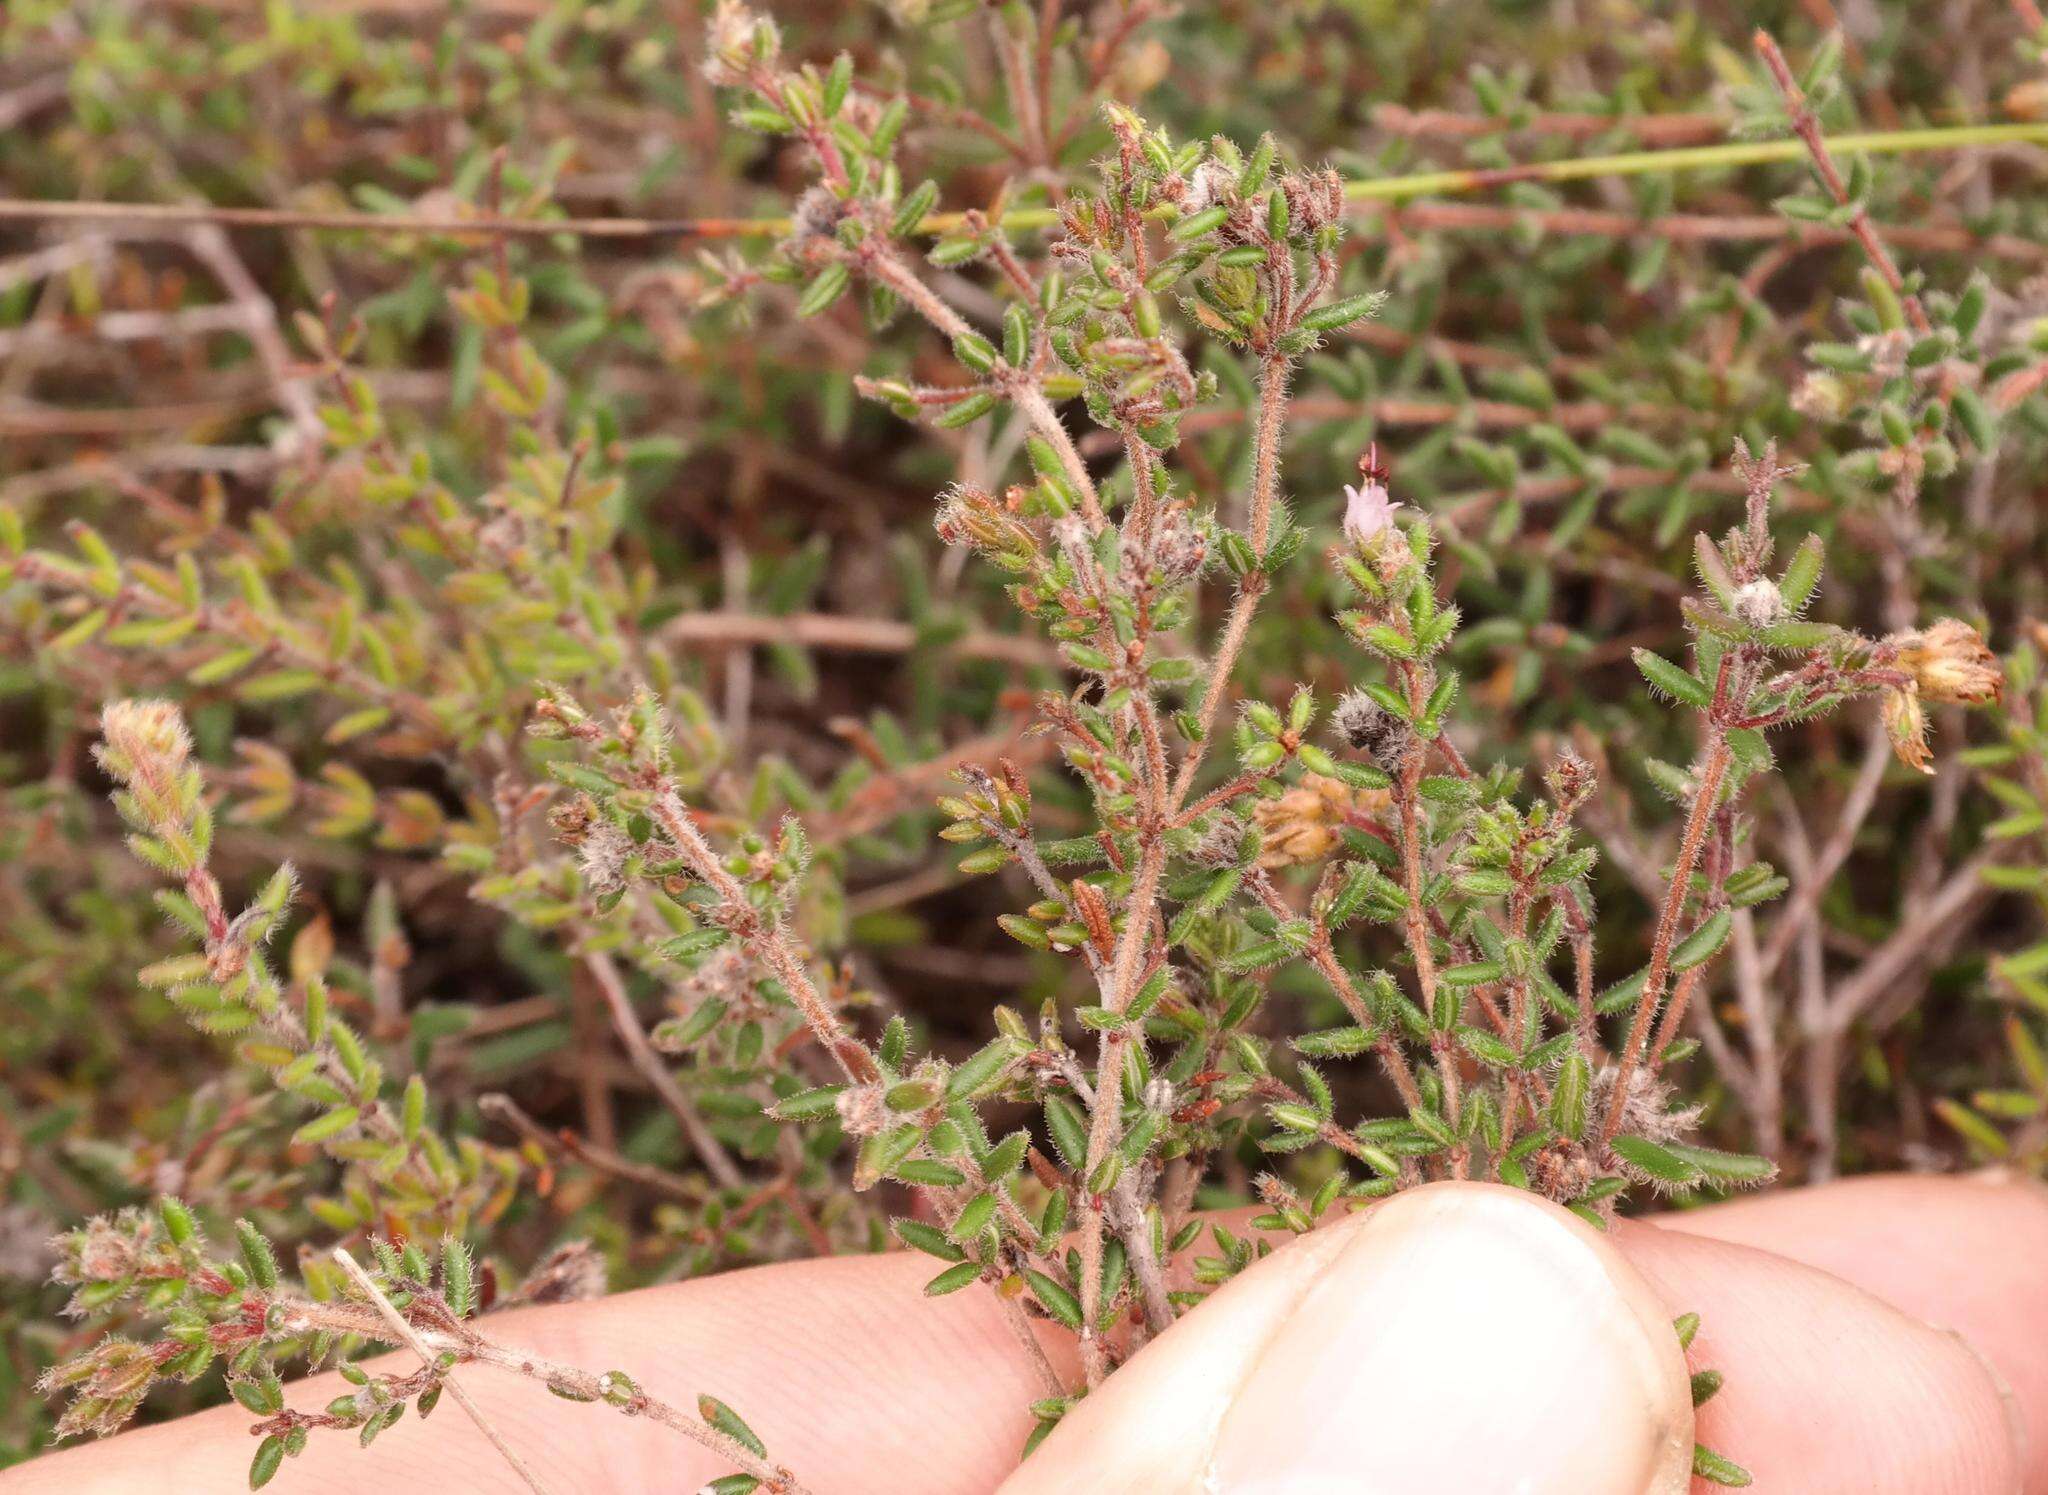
(1367, 512)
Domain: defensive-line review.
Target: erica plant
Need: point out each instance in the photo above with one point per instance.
(1304, 927)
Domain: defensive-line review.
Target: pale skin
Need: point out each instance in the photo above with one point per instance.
(1884, 1336)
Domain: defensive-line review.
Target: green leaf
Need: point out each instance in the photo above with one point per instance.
(1360, 879)
(1712, 1467)
(1654, 1161)
(1703, 943)
(728, 1422)
(1196, 224)
(1485, 882)
(881, 1155)
(458, 1277)
(1057, 1300)
(982, 1071)
(263, 1468)
(1214, 894)
(328, 1125)
(1343, 313)
(837, 82)
(1802, 573)
(930, 1171)
(915, 205)
(412, 1109)
(976, 352)
(952, 1279)
(1487, 1048)
(1974, 1129)
(356, 723)
(256, 1255)
(178, 1223)
(582, 776)
(260, 1395)
(966, 412)
(1334, 1043)
(1680, 684)
(1798, 635)
(981, 862)
(1006, 1157)
(1294, 1118)
(1024, 930)
(974, 1217)
(693, 942)
(1568, 1097)
(929, 1239)
(1726, 1167)
(1069, 1131)
(1976, 420)
(825, 288)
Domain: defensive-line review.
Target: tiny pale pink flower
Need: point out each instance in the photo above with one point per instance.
(1367, 511)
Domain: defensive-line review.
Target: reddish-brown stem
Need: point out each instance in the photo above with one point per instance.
(305, 1316)
(1807, 127)
(1416, 925)
(410, 1338)
(1273, 375)
(1323, 955)
(1674, 1014)
(1023, 391)
(1221, 795)
(765, 938)
(626, 1023)
(1706, 792)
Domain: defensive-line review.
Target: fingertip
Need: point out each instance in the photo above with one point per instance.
(1473, 1338)
(1458, 1337)
(1827, 1390)
(1959, 1253)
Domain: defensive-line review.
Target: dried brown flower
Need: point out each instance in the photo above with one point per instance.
(1302, 824)
(1906, 724)
(1951, 663)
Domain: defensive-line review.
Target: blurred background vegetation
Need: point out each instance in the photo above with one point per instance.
(1559, 373)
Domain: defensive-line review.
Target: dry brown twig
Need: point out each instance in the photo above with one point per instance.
(604, 972)
(409, 1337)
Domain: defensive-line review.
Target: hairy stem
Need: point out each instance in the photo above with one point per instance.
(626, 1023)
(764, 937)
(409, 1337)
(302, 1316)
(1265, 481)
(1706, 792)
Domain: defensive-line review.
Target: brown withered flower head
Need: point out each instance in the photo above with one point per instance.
(1905, 722)
(1948, 663)
(571, 1273)
(1570, 779)
(1302, 824)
